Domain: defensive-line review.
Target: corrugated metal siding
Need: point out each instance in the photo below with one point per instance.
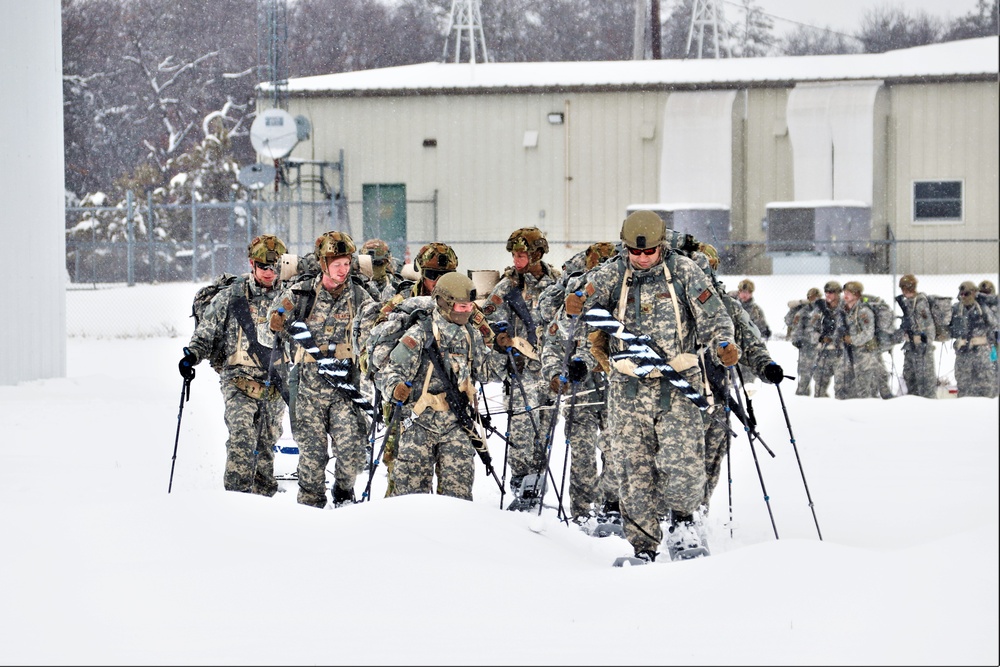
(31, 134)
(944, 132)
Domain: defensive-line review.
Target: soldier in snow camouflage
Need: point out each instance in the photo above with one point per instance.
(254, 410)
(974, 328)
(658, 441)
(856, 375)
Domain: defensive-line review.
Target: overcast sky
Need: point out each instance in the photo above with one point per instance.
(844, 14)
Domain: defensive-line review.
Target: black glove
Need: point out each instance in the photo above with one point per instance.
(797, 344)
(484, 456)
(923, 338)
(773, 373)
(577, 370)
(187, 364)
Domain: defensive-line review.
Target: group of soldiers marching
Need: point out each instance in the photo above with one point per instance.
(646, 430)
(834, 333)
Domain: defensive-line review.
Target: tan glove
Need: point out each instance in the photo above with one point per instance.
(556, 385)
(574, 304)
(279, 316)
(599, 350)
(728, 354)
(847, 339)
(401, 392)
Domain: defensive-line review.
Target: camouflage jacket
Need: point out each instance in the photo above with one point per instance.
(920, 321)
(649, 308)
(858, 323)
(337, 320)
(462, 349)
(972, 324)
(756, 314)
(497, 309)
(219, 323)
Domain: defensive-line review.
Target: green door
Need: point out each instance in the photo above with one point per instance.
(384, 213)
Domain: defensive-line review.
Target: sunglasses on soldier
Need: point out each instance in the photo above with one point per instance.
(433, 274)
(965, 293)
(641, 251)
(266, 267)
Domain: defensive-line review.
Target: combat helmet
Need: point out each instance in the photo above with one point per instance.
(266, 249)
(908, 282)
(855, 287)
(987, 287)
(746, 285)
(832, 286)
(377, 249)
(599, 252)
(643, 229)
(335, 244)
(453, 287)
(434, 260)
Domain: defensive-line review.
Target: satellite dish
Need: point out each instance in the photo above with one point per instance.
(274, 134)
(256, 176)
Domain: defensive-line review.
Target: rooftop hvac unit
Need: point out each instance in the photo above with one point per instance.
(818, 237)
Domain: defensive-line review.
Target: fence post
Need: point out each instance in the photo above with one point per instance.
(149, 235)
(129, 239)
(194, 238)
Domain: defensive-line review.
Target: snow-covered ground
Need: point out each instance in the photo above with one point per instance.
(102, 566)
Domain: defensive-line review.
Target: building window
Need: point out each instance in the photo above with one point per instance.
(937, 201)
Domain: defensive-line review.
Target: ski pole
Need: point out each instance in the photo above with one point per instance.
(753, 450)
(791, 439)
(397, 410)
(185, 396)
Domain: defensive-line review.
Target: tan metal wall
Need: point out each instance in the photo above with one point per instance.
(576, 183)
(944, 131)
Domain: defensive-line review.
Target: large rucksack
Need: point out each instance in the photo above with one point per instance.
(941, 314)
(202, 298)
(885, 321)
(384, 335)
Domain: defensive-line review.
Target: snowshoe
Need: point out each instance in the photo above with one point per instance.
(608, 524)
(640, 558)
(527, 493)
(685, 541)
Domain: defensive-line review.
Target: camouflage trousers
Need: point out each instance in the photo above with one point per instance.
(659, 452)
(858, 375)
(527, 453)
(433, 444)
(587, 435)
(325, 419)
(808, 356)
(255, 425)
(826, 367)
(975, 374)
(918, 370)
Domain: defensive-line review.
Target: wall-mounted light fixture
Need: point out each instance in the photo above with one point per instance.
(556, 118)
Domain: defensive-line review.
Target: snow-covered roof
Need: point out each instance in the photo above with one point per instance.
(970, 58)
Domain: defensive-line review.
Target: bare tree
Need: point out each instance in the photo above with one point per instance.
(807, 41)
(983, 22)
(889, 27)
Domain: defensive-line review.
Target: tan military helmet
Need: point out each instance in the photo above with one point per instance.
(833, 286)
(746, 285)
(987, 287)
(453, 286)
(813, 294)
(709, 251)
(266, 249)
(643, 229)
(908, 282)
(854, 287)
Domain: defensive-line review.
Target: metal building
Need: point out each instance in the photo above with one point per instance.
(908, 137)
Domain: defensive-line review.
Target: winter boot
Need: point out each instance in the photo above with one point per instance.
(341, 497)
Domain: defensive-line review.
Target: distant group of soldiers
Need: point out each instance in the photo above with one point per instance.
(834, 333)
(635, 345)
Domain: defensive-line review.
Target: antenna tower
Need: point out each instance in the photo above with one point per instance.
(466, 22)
(707, 13)
(272, 42)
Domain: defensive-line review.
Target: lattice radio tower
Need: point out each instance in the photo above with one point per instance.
(272, 42)
(464, 23)
(708, 13)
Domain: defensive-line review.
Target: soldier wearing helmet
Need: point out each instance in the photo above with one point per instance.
(800, 331)
(974, 330)
(855, 375)
(233, 330)
(385, 274)
(514, 305)
(917, 334)
(432, 441)
(745, 290)
(333, 311)
(657, 430)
